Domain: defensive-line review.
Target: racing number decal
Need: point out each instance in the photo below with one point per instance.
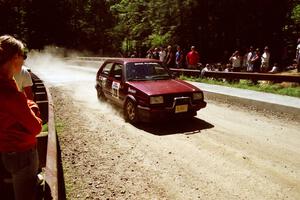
(115, 89)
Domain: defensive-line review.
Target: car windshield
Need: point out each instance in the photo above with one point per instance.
(146, 71)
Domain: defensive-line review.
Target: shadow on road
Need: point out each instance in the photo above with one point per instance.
(178, 126)
(175, 125)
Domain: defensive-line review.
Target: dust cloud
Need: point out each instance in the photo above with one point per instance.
(77, 81)
(50, 56)
(53, 65)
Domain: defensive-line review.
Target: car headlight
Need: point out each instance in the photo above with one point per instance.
(157, 100)
(197, 96)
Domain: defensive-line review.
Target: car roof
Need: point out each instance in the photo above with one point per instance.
(130, 60)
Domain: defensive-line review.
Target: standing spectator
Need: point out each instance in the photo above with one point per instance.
(250, 56)
(149, 53)
(162, 54)
(244, 60)
(265, 60)
(19, 123)
(156, 53)
(256, 61)
(170, 57)
(236, 61)
(298, 55)
(192, 58)
(179, 57)
(24, 82)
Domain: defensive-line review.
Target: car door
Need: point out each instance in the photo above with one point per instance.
(103, 78)
(116, 83)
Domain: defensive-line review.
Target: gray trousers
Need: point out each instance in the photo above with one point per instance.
(23, 167)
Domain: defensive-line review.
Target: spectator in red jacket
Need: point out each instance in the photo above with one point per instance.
(19, 123)
(192, 58)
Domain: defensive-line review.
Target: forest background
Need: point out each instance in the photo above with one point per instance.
(111, 27)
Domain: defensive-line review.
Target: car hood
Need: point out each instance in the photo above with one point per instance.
(158, 87)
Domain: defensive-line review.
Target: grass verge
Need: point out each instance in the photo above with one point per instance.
(45, 127)
(288, 89)
(59, 126)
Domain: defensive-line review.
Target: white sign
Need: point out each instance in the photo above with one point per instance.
(115, 87)
(131, 91)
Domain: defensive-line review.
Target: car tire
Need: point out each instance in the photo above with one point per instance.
(130, 111)
(100, 93)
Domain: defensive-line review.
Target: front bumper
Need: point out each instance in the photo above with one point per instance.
(148, 114)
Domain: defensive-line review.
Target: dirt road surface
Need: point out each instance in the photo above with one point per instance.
(224, 153)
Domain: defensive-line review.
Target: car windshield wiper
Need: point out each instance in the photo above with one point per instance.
(161, 76)
(137, 79)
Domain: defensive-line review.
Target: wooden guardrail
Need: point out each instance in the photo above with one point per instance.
(48, 151)
(51, 172)
(239, 75)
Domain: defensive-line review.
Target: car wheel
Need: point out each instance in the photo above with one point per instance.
(130, 111)
(100, 93)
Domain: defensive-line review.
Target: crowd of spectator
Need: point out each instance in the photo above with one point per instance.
(174, 58)
(253, 60)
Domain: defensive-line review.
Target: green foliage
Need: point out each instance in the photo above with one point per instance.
(128, 45)
(45, 128)
(156, 40)
(212, 26)
(78, 24)
(296, 14)
(59, 126)
(153, 23)
(131, 23)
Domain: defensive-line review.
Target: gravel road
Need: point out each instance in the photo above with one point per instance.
(226, 152)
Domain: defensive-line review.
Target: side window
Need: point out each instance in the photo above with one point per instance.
(107, 68)
(117, 71)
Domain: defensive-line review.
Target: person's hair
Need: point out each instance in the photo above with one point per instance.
(9, 47)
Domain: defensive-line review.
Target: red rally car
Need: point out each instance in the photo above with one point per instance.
(146, 90)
